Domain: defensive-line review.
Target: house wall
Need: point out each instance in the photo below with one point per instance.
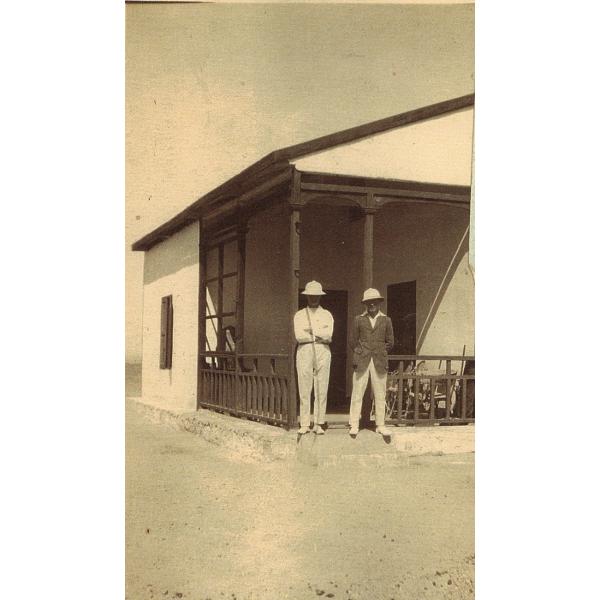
(266, 282)
(429, 244)
(171, 268)
(437, 150)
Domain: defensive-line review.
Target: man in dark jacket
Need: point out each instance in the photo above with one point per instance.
(372, 338)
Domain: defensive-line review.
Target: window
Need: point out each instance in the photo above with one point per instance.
(220, 263)
(166, 332)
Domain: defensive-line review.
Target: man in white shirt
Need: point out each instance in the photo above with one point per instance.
(313, 327)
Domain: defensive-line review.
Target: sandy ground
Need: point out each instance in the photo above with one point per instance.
(200, 525)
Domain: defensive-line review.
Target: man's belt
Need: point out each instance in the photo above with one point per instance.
(304, 343)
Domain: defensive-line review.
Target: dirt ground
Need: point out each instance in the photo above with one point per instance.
(200, 525)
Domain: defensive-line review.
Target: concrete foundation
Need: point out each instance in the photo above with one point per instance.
(251, 441)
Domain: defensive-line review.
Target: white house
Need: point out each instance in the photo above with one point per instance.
(385, 205)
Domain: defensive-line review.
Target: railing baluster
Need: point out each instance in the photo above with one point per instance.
(448, 387)
(400, 388)
(229, 397)
(237, 384)
(432, 383)
(259, 404)
(464, 399)
(277, 391)
(416, 398)
(284, 399)
(254, 386)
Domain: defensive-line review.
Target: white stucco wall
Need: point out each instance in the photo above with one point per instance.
(437, 150)
(171, 268)
(453, 325)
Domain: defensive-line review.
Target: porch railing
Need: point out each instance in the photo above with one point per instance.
(419, 392)
(246, 385)
(421, 389)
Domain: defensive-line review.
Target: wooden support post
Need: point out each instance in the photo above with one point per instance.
(241, 270)
(369, 211)
(220, 337)
(201, 313)
(294, 275)
(239, 307)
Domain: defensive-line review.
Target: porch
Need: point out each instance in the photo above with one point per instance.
(406, 238)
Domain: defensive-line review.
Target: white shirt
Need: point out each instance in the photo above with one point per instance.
(373, 319)
(322, 325)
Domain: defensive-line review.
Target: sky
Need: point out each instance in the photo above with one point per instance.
(211, 88)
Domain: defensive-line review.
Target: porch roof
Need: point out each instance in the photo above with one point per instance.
(275, 169)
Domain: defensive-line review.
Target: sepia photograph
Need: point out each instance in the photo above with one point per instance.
(300, 301)
(240, 309)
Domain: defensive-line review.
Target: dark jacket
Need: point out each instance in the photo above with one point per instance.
(371, 343)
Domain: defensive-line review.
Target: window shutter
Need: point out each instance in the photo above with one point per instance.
(166, 332)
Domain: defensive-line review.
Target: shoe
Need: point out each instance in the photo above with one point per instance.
(303, 430)
(353, 430)
(383, 430)
(319, 430)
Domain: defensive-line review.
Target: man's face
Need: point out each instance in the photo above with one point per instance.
(313, 301)
(373, 307)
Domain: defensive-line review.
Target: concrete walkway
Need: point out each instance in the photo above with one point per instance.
(251, 441)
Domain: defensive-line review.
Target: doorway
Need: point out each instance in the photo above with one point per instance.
(402, 310)
(336, 302)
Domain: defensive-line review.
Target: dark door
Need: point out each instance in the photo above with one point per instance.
(336, 302)
(402, 309)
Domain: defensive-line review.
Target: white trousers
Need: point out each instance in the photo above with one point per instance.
(359, 385)
(307, 377)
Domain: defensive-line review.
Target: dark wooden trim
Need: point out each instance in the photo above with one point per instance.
(310, 177)
(382, 201)
(219, 315)
(333, 199)
(242, 201)
(384, 192)
(279, 160)
(330, 182)
(368, 129)
(226, 192)
(166, 332)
